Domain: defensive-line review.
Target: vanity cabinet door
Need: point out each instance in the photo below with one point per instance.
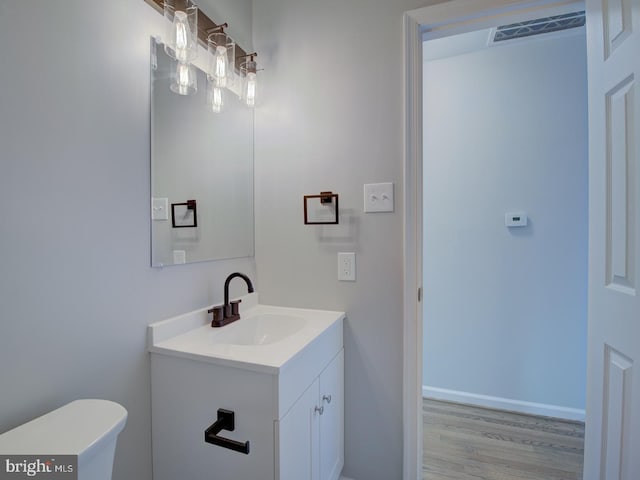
(331, 445)
(310, 438)
(298, 438)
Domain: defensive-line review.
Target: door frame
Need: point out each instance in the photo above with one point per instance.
(443, 19)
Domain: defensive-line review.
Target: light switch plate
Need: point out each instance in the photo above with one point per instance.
(159, 208)
(378, 197)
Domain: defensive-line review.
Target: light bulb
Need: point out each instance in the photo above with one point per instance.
(250, 89)
(184, 81)
(215, 98)
(180, 23)
(216, 102)
(183, 75)
(221, 63)
(181, 36)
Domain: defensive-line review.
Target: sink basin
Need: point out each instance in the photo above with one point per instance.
(265, 339)
(260, 329)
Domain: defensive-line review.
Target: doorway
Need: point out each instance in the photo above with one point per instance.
(485, 16)
(505, 188)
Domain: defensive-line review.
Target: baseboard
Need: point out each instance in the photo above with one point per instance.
(503, 403)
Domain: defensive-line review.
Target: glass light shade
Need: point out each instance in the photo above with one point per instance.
(184, 79)
(249, 82)
(182, 30)
(222, 57)
(215, 96)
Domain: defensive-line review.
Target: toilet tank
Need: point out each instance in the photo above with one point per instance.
(87, 428)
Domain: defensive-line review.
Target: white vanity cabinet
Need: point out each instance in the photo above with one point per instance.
(287, 399)
(315, 424)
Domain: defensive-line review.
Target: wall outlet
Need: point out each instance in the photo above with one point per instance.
(179, 257)
(347, 266)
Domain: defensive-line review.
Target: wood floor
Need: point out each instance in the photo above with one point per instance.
(470, 443)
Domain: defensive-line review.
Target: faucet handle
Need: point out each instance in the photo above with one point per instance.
(234, 307)
(218, 314)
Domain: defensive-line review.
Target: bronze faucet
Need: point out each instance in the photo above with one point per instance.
(229, 312)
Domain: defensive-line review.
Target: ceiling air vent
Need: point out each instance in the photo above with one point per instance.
(541, 25)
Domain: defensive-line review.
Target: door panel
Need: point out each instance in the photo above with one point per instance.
(332, 420)
(616, 414)
(613, 396)
(296, 440)
(621, 188)
(617, 23)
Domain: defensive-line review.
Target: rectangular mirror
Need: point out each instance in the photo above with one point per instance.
(201, 172)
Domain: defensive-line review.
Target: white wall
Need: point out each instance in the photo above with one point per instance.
(76, 289)
(331, 119)
(505, 309)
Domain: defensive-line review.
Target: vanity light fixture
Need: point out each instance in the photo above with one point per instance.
(182, 29)
(222, 56)
(186, 26)
(248, 71)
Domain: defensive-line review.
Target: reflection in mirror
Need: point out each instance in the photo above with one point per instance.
(201, 172)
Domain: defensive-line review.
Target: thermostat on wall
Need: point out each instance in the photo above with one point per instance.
(515, 219)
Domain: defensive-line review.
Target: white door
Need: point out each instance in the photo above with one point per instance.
(612, 445)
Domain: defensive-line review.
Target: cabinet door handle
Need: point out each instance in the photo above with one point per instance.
(326, 398)
(320, 410)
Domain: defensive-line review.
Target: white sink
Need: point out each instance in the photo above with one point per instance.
(264, 339)
(258, 329)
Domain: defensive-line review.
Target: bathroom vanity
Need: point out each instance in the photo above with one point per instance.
(279, 370)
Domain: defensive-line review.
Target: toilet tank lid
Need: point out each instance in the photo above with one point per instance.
(70, 430)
